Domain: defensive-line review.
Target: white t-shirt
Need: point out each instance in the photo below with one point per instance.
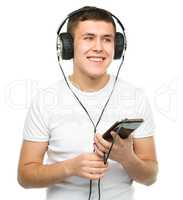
(56, 116)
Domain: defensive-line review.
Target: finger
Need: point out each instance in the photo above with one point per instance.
(100, 147)
(93, 173)
(114, 134)
(97, 164)
(99, 139)
(93, 157)
(99, 152)
(117, 138)
(97, 170)
(94, 176)
(130, 137)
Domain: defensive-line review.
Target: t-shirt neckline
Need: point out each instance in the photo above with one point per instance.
(92, 93)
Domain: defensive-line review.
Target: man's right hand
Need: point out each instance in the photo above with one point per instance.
(88, 165)
(32, 173)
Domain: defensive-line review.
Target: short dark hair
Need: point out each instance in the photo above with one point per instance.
(88, 13)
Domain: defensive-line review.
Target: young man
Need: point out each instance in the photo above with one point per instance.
(65, 133)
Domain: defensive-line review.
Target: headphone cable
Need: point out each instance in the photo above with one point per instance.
(95, 125)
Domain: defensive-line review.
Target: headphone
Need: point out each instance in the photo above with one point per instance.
(65, 47)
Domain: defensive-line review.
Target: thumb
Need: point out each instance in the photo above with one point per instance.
(114, 135)
(130, 138)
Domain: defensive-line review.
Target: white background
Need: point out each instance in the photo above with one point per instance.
(153, 61)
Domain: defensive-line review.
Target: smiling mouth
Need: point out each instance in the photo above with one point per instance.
(96, 58)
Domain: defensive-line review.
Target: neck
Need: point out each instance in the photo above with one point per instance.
(89, 84)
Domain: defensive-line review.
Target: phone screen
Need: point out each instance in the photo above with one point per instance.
(123, 128)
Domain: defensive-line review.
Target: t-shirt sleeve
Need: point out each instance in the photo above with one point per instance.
(143, 110)
(36, 125)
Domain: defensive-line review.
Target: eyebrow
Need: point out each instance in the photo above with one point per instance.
(92, 34)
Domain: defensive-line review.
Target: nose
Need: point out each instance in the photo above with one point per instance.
(98, 46)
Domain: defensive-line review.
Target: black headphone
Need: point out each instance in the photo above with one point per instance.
(65, 48)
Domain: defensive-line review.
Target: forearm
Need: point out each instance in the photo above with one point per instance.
(33, 175)
(142, 171)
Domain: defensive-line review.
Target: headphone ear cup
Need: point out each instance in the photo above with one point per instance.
(66, 46)
(119, 45)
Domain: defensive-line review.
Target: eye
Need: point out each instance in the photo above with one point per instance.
(107, 39)
(88, 38)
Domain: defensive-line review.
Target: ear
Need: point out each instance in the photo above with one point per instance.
(119, 45)
(66, 45)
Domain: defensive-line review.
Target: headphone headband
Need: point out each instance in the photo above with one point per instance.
(87, 8)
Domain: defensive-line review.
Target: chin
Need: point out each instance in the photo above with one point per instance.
(96, 72)
(96, 75)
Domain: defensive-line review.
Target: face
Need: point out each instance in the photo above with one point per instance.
(93, 47)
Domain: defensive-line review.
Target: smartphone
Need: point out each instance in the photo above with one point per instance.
(123, 128)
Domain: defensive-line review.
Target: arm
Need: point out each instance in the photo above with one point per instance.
(142, 164)
(33, 173)
(139, 157)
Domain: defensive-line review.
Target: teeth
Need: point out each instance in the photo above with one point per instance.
(96, 59)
